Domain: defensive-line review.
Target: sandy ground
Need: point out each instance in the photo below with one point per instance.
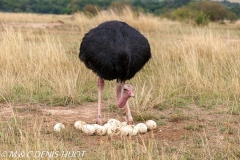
(50, 115)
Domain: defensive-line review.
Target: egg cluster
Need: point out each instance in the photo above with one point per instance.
(112, 127)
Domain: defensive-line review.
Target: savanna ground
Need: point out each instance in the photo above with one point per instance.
(190, 87)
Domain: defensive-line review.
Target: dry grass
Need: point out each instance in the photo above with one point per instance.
(194, 76)
(30, 17)
(36, 64)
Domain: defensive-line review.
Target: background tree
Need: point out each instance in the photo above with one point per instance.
(215, 10)
(119, 6)
(91, 9)
(202, 12)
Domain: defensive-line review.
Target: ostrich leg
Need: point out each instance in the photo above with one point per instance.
(119, 88)
(129, 117)
(100, 89)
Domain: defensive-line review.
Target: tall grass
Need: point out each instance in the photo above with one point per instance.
(36, 67)
(187, 61)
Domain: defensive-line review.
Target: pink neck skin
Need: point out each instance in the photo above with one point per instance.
(122, 102)
(121, 97)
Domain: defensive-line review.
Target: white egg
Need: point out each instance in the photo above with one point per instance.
(151, 124)
(58, 127)
(88, 129)
(133, 130)
(113, 130)
(124, 124)
(124, 131)
(130, 130)
(142, 128)
(96, 125)
(114, 122)
(79, 124)
(107, 125)
(100, 130)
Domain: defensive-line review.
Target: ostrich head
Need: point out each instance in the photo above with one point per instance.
(128, 91)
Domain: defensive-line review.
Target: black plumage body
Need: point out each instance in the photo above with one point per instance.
(114, 50)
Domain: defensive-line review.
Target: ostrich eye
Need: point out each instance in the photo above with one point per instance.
(124, 89)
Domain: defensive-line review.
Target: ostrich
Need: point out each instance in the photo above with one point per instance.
(115, 50)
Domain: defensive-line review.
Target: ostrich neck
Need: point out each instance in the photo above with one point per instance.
(121, 100)
(121, 103)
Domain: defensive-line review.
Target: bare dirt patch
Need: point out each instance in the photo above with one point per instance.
(50, 115)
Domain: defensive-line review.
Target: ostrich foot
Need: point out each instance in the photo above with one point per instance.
(99, 120)
(129, 120)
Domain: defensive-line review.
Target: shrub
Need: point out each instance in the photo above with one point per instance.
(232, 16)
(203, 12)
(215, 10)
(202, 19)
(91, 9)
(182, 13)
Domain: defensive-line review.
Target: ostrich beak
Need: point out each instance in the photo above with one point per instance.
(131, 94)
